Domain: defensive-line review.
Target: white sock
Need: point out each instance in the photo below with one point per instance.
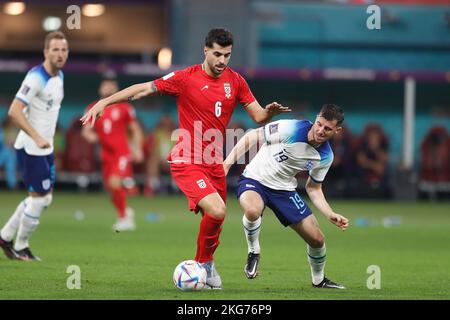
(251, 230)
(10, 228)
(29, 221)
(316, 259)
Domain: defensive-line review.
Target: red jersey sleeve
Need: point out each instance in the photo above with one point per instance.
(171, 84)
(245, 95)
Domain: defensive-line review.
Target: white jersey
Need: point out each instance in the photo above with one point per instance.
(42, 94)
(285, 153)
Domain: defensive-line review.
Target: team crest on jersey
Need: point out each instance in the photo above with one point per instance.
(227, 89)
(308, 165)
(201, 183)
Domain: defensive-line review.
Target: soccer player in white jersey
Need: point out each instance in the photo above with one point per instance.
(269, 180)
(35, 110)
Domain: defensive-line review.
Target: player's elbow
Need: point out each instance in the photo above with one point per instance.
(309, 192)
(312, 187)
(13, 113)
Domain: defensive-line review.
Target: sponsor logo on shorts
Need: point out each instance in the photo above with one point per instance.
(201, 183)
(248, 185)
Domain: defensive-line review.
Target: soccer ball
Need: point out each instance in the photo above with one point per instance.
(189, 275)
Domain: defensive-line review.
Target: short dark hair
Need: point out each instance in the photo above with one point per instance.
(109, 75)
(332, 112)
(53, 35)
(222, 37)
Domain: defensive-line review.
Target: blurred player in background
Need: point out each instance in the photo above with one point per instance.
(113, 131)
(290, 146)
(206, 94)
(35, 110)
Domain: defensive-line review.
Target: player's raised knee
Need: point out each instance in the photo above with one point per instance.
(37, 204)
(252, 213)
(317, 241)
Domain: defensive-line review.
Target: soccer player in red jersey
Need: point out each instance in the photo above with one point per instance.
(206, 95)
(112, 131)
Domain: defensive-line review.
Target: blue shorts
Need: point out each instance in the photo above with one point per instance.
(38, 172)
(288, 206)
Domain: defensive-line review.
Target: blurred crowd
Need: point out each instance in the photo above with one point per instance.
(360, 167)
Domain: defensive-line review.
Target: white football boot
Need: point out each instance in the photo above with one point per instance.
(213, 280)
(127, 223)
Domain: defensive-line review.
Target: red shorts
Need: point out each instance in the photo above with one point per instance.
(119, 166)
(198, 181)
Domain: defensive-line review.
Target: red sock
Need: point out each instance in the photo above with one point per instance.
(119, 199)
(208, 238)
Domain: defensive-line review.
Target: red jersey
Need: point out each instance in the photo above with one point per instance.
(205, 105)
(112, 129)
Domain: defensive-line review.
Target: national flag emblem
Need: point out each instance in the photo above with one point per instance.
(201, 183)
(273, 128)
(25, 90)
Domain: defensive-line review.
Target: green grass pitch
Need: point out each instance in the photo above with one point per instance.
(414, 257)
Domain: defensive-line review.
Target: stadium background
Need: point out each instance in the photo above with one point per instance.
(299, 53)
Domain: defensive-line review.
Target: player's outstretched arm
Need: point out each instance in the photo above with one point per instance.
(263, 115)
(16, 113)
(243, 145)
(317, 197)
(133, 92)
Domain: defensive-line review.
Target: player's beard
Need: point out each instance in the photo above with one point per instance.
(219, 72)
(214, 70)
(317, 139)
(58, 64)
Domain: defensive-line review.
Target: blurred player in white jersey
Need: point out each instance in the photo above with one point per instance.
(269, 180)
(35, 110)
